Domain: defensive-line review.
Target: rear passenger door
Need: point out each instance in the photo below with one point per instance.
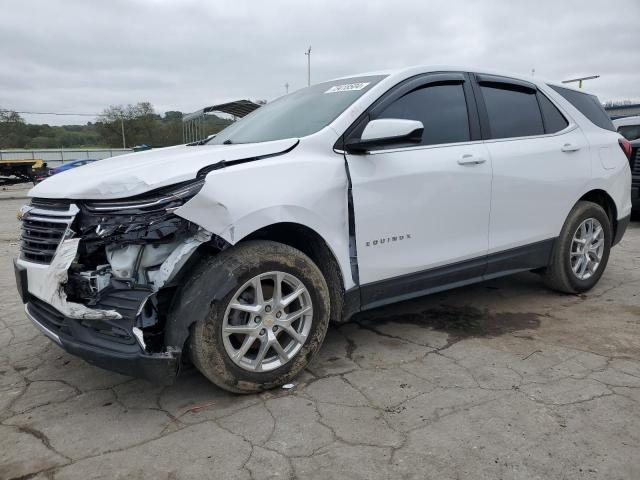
(540, 163)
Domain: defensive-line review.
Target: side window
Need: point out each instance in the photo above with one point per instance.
(554, 121)
(588, 105)
(512, 112)
(442, 109)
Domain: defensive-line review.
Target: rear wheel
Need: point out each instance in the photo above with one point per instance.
(581, 252)
(267, 325)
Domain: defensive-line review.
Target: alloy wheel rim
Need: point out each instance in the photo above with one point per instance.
(267, 321)
(587, 248)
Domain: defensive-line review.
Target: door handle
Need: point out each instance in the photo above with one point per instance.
(471, 160)
(570, 147)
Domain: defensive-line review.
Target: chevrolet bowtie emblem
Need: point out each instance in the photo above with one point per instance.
(22, 211)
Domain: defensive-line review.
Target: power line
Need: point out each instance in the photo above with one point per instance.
(54, 113)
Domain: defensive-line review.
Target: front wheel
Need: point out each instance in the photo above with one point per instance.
(581, 252)
(265, 322)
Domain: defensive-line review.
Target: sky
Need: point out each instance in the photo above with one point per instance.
(81, 56)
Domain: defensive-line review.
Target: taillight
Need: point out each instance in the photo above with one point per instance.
(625, 145)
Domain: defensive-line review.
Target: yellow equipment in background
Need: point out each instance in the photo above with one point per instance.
(19, 171)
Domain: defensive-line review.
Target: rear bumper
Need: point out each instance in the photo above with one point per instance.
(119, 353)
(621, 228)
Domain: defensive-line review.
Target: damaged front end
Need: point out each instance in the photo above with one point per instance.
(98, 277)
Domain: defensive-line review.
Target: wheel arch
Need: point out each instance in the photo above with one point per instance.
(293, 234)
(602, 198)
(312, 244)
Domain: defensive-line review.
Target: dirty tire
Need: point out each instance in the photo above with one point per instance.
(558, 275)
(238, 265)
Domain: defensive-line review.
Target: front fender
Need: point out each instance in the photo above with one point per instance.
(239, 200)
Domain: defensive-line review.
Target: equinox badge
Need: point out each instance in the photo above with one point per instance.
(393, 238)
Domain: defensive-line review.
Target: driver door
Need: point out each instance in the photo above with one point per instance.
(422, 210)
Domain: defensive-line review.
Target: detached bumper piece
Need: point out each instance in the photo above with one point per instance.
(104, 343)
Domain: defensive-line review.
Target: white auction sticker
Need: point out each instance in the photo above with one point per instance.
(347, 87)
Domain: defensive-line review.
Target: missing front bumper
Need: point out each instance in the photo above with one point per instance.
(92, 346)
(120, 324)
(82, 338)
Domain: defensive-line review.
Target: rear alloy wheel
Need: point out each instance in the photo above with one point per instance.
(263, 313)
(581, 252)
(587, 248)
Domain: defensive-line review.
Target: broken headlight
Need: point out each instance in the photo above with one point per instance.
(161, 199)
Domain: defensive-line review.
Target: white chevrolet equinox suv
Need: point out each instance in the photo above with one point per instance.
(235, 253)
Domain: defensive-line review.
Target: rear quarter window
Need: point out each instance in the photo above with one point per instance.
(588, 105)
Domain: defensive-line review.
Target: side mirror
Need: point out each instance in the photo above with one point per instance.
(387, 131)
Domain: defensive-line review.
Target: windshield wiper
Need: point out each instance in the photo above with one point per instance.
(227, 142)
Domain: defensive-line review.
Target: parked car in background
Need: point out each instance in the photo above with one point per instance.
(629, 128)
(41, 174)
(142, 148)
(69, 165)
(359, 192)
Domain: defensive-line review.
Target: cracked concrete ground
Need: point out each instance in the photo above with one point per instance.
(500, 380)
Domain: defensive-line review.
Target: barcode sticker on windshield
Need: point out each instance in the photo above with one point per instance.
(347, 87)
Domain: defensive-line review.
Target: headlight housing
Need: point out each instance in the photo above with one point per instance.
(160, 199)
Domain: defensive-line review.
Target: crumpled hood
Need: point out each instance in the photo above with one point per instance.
(136, 173)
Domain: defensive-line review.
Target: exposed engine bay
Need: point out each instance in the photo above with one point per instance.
(113, 255)
(117, 262)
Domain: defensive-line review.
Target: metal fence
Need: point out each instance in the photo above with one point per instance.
(57, 156)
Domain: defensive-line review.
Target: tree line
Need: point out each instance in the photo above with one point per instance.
(142, 125)
(619, 103)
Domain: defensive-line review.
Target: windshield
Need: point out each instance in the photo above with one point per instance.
(298, 114)
(630, 132)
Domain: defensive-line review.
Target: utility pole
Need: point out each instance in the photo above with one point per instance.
(308, 54)
(579, 80)
(124, 144)
(286, 87)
